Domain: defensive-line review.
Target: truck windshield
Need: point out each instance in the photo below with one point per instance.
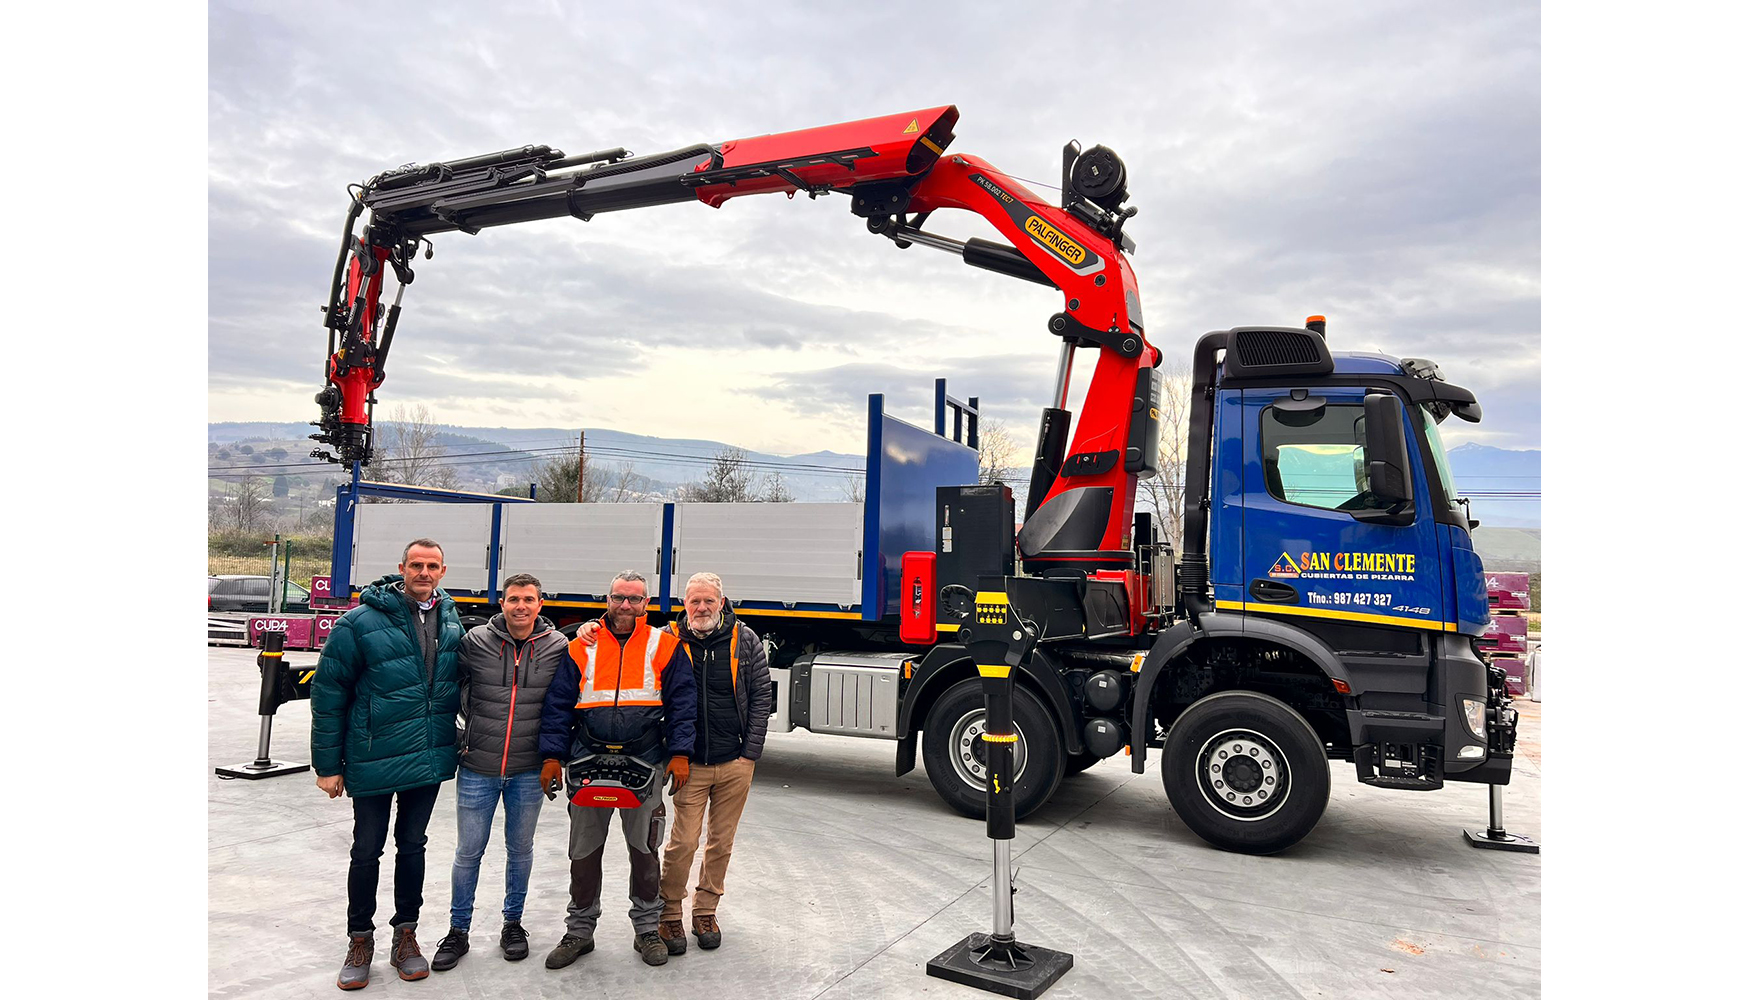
(1431, 428)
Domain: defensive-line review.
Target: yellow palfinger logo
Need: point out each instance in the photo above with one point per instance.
(1072, 252)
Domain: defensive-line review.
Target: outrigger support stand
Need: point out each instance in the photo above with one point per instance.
(996, 962)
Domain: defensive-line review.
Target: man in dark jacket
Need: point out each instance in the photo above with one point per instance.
(628, 690)
(382, 727)
(735, 699)
(507, 666)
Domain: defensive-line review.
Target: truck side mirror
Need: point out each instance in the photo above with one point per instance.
(1388, 454)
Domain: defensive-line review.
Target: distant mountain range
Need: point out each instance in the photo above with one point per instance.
(1504, 483)
(1488, 475)
(486, 457)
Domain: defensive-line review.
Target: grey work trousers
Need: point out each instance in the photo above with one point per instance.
(643, 828)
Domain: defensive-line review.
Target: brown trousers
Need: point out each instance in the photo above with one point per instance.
(724, 788)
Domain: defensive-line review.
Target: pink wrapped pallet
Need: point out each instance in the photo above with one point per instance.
(302, 631)
(1505, 636)
(1515, 668)
(299, 629)
(1509, 592)
(322, 595)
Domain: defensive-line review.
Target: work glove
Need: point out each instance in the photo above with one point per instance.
(678, 769)
(552, 776)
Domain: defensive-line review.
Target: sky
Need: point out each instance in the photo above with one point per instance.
(1378, 163)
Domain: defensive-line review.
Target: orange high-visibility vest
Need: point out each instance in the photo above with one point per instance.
(616, 674)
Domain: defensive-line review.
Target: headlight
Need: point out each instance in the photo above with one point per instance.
(1473, 716)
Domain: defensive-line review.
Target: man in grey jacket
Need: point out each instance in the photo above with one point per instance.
(506, 667)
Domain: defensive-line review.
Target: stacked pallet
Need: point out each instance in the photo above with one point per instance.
(1505, 642)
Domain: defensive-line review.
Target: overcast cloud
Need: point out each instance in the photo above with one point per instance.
(1378, 163)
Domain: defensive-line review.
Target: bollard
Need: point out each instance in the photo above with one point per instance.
(273, 668)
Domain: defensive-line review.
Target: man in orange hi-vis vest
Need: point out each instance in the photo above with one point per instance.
(627, 691)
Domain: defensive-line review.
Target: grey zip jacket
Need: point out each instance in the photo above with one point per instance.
(502, 689)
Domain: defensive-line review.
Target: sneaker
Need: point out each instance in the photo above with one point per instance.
(450, 950)
(515, 941)
(706, 930)
(355, 973)
(673, 935)
(568, 950)
(405, 957)
(652, 948)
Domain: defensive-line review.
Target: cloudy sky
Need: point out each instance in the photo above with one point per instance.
(1378, 163)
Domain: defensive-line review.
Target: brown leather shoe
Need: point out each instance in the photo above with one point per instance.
(706, 930)
(673, 935)
(405, 957)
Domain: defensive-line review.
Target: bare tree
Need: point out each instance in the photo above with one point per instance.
(728, 480)
(621, 485)
(997, 451)
(1165, 493)
(853, 488)
(773, 490)
(409, 450)
(249, 503)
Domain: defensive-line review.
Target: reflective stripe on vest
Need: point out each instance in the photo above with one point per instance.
(734, 640)
(616, 674)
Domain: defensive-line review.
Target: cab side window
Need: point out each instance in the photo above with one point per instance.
(1317, 457)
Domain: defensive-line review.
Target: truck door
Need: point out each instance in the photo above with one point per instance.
(1305, 554)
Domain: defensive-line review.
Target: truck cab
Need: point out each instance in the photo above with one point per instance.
(1341, 587)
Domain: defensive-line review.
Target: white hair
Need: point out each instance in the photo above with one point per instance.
(706, 578)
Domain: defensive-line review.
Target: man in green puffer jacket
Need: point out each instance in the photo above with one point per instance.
(383, 727)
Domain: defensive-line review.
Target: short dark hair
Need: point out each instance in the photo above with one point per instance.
(426, 542)
(521, 580)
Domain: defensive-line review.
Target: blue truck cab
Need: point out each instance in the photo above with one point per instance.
(1328, 589)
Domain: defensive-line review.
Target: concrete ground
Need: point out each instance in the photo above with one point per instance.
(847, 880)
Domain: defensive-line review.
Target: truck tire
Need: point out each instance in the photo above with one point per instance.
(470, 621)
(1245, 772)
(954, 754)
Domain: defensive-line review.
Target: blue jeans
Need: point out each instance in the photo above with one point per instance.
(477, 798)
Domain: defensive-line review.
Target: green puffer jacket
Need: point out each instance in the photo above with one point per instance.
(377, 715)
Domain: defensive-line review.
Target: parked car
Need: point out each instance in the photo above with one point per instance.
(249, 594)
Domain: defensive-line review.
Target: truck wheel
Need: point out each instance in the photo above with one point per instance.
(1245, 772)
(471, 621)
(954, 753)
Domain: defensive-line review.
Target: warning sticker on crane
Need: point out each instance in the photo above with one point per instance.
(909, 129)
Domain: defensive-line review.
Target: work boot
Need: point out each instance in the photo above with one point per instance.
(405, 957)
(673, 935)
(450, 950)
(568, 950)
(515, 941)
(652, 948)
(355, 973)
(706, 930)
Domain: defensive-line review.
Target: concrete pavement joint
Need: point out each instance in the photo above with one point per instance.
(884, 948)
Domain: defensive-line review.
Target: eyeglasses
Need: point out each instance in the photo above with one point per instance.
(627, 599)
